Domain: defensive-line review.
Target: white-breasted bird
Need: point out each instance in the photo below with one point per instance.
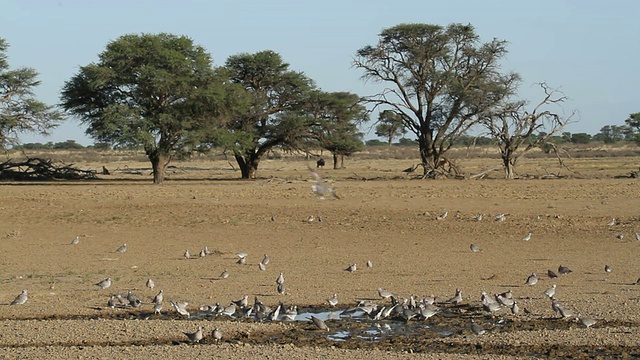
(369, 264)
(280, 279)
(224, 275)
(612, 222)
(475, 248)
(265, 260)
(532, 279)
(187, 254)
(216, 334)
(321, 188)
(104, 284)
(527, 237)
(181, 308)
(75, 241)
(384, 293)
(587, 321)
(550, 292)
(477, 329)
(159, 297)
(351, 268)
(333, 301)
(122, 248)
(607, 269)
(151, 284)
(20, 299)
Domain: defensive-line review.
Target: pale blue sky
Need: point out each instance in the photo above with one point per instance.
(588, 48)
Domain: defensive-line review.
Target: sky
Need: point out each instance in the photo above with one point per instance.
(587, 48)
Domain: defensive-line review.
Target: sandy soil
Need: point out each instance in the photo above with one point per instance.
(392, 222)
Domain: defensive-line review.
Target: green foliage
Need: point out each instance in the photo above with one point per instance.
(390, 125)
(406, 142)
(581, 138)
(20, 112)
(265, 112)
(375, 142)
(439, 79)
(157, 91)
(633, 124)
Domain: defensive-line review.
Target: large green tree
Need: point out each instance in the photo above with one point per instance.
(337, 115)
(158, 91)
(438, 78)
(269, 118)
(633, 123)
(20, 111)
(390, 125)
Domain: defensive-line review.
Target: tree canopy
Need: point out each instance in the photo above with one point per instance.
(390, 125)
(267, 116)
(439, 79)
(158, 91)
(20, 111)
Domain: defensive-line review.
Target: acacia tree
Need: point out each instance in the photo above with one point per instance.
(390, 125)
(157, 91)
(633, 123)
(439, 79)
(20, 111)
(337, 116)
(269, 117)
(518, 130)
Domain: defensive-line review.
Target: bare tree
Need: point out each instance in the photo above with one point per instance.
(517, 130)
(438, 79)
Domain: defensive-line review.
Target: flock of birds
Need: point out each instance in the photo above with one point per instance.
(393, 307)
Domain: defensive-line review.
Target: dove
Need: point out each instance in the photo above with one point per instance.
(265, 260)
(457, 298)
(104, 284)
(527, 237)
(369, 264)
(474, 248)
(181, 308)
(637, 236)
(477, 329)
(151, 284)
(443, 215)
(20, 299)
(311, 218)
(187, 255)
(320, 188)
(607, 269)
(319, 323)
(515, 309)
(206, 250)
(157, 309)
(242, 303)
(195, 336)
(112, 301)
(75, 241)
(290, 314)
(333, 301)
(384, 293)
(550, 292)
(202, 253)
(551, 274)
(351, 268)
(262, 266)
(280, 279)
(280, 288)
(563, 270)
(159, 297)
(612, 222)
(229, 310)
(588, 322)
(500, 217)
(242, 258)
(620, 236)
(216, 334)
(122, 248)
(479, 217)
(532, 279)
(224, 275)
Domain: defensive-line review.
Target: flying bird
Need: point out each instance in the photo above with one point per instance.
(320, 188)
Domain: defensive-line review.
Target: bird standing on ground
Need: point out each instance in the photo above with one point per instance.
(457, 298)
(159, 297)
(122, 248)
(550, 292)
(369, 264)
(333, 301)
(475, 248)
(351, 268)
(563, 270)
(532, 279)
(151, 284)
(265, 260)
(216, 334)
(551, 274)
(319, 323)
(477, 329)
(280, 279)
(195, 336)
(104, 284)
(224, 275)
(527, 237)
(607, 269)
(384, 293)
(20, 299)
(75, 241)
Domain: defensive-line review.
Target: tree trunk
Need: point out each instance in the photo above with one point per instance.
(428, 156)
(248, 167)
(159, 164)
(335, 162)
(509, 166)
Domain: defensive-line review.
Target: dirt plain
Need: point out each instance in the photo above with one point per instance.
(382, 215)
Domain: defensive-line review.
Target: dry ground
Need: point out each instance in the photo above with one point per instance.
(390, 220)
